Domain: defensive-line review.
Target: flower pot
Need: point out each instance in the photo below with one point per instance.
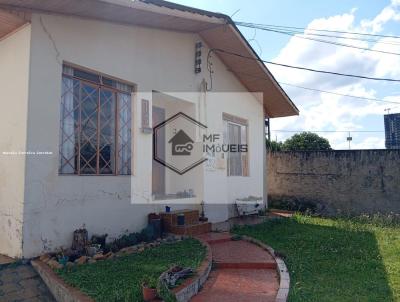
(63, 260)
(149, 293)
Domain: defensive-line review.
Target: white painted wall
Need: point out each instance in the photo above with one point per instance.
(245, 106)
(154, 60)
(14, 71)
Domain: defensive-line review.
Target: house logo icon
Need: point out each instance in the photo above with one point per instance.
(184, 154)
(181, 143)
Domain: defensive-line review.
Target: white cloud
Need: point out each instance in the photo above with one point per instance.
(320, 111)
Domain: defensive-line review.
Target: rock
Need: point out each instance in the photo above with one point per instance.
(91, 261)
(54, 264)
(81, 260)
(109, 255)
(47, 261)
(91, 250)
(45, 258)
(141, 249)
(69, 264)
(128, 250)
(99, 257)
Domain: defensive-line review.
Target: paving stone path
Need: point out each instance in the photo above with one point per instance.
(243, 272)
(20, 283)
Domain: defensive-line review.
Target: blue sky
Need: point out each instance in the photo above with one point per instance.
(323, 111)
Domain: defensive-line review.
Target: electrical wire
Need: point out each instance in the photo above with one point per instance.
(260, 26)
(320, 90)
(331, 42)
(305, 68)
(342, 37)
(340, 94)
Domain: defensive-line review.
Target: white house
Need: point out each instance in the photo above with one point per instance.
(83, 81)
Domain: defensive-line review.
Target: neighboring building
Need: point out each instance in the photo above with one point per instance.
(392, 131)
(84, 80)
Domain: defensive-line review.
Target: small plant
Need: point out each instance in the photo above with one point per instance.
(147, 234)
(236, 237)
(149, 282)
(149, 290)
(122, 278)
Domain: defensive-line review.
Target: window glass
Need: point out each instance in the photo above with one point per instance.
(90, 141)
(235, 134)
(107, 132)
(86, 76)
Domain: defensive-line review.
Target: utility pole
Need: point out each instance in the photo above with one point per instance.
(349, 139)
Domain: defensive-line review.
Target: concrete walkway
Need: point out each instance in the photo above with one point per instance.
(5, 260)
(243, 272)
(20, 283)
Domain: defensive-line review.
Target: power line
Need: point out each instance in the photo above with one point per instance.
(320, 90)
(329, 42)
(340, 94)
(305, 68)
(247, 24)
(341, 37)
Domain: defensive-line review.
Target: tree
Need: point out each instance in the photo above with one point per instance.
(274, 146)
(306, 141)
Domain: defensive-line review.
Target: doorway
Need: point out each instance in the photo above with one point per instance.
(158, 175)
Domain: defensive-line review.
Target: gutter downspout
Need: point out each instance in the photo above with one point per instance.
(265, 163)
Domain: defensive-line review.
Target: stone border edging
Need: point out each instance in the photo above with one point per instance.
(60, 290)
(284, 278)
(192, 286)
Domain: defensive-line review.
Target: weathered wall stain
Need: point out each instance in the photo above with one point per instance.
(353, 181)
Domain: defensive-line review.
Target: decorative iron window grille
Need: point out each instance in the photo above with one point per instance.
(95, 124)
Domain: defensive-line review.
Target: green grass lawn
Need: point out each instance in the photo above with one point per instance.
(335, 259)
(120, 279)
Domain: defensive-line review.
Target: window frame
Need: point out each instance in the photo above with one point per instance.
(238, 121)
(98, 86)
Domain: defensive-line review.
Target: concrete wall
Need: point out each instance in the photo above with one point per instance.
(14, 71)
(154, 60)
(355, 181)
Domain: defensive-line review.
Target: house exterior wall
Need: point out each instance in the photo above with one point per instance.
(229, 188)
(153, 59)
(14, 72)
(354, 181)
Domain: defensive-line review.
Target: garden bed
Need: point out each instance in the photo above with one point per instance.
(120, 279)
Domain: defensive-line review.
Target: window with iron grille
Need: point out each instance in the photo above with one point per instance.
(95, 124)
(235, 133)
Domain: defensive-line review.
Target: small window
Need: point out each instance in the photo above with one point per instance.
(236, 134)
(95, 125)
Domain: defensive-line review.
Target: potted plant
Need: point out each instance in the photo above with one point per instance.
(149, 290)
